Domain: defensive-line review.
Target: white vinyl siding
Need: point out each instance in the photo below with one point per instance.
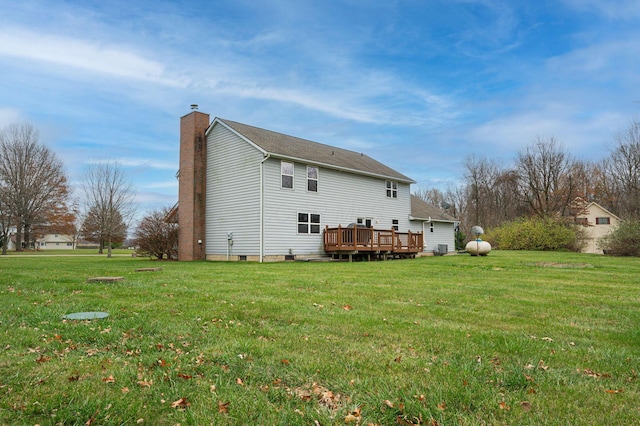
(343, 198)
(443, 233)
(233, 194)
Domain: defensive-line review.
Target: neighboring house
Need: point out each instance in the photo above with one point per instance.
(247, 193)
(45, 242)
(55, 242)
(597, 221)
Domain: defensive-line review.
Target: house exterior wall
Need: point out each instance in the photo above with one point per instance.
(341, 199)
(233, 202)
(594, 230)
(232, 196)
(440, 233)
(55, 242)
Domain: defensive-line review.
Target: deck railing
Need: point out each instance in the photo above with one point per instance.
(354, 239)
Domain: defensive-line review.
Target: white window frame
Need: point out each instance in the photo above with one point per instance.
(309, 223)
(283, 174)
(310, 179)
(392, 188)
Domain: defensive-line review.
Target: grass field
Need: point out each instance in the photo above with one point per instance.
(515, 338)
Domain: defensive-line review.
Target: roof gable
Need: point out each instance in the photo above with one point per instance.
(422, 210)
(293, 148)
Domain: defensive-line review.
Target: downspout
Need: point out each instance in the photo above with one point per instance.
(262, 206)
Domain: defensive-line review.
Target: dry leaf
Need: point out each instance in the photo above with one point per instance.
(526, 406)
(347, 307)
(124, 390)
(239, 381)
(223, 407)
(503, 406)
(388, 403)
(145, 383)
(109, 379)
(442, 406)
(180, 404)
(613, 391)
(42, 359)
(185, 376)
(285, 361)
(350, 418)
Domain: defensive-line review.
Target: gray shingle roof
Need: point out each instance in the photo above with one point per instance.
(420, 209)
(290, 147)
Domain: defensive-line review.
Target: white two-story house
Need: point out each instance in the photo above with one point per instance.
(247, 193)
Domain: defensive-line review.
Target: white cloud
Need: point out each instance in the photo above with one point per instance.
(95, 57)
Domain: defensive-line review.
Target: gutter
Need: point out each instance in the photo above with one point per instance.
(267, 156)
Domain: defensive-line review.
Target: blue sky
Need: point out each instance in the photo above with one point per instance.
(418, 85)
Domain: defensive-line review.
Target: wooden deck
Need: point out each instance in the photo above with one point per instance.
(369, 241)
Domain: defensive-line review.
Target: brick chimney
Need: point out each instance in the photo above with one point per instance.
(192, 185)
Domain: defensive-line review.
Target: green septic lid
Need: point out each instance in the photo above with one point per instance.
(86, 315)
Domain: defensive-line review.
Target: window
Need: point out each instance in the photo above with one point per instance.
(312, 179)
(286, 171)
(582, 221)
(431, 226)
(394, 224)
(308, 223)
(392, 189)
(366, 221)
(603, 221)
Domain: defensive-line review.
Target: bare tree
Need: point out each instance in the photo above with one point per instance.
(621, 173)
(109, 197)
(157, 236)
(544, 178)
(32, 179)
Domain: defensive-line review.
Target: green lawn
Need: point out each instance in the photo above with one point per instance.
(517, 338)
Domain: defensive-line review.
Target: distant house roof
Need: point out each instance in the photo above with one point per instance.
(289, 147)
(421, 210)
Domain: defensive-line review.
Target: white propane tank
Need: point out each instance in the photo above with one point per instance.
(478, 247)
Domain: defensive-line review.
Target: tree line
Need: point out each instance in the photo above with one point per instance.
(544, 181)
(36, 199)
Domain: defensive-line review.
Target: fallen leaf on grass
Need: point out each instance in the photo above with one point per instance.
(145, 383)
(388, 403)
(347, 307)
(593, 374)
(442, 406)
(350, 418)
(185, 376)
(613, 391)
(182, 403)
(239, 381)
(109, 379)
(223, 407)
(124, 390)
(42, 359)
(526, 406)
(503, 406)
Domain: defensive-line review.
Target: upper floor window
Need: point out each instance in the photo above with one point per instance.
(392, 189)
(603, 221)
(312, 179)
(286, 171)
